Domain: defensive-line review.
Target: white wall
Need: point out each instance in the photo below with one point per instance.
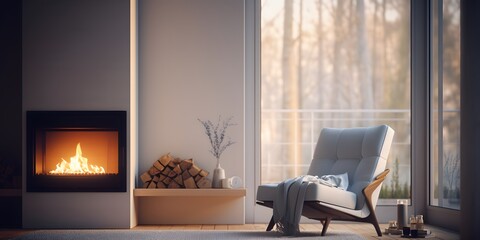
(191, 65)
(76, 56)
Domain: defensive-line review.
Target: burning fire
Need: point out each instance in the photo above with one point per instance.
(77, 165)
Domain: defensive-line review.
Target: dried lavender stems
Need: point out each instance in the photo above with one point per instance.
(216, 135)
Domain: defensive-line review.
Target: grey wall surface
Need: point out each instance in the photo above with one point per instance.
(11, 83)
(11, 106)
(76, 56)
(191, 65)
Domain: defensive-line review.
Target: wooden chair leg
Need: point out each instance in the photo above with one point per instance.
(270, 225)
(374, 222)
(377, 228)
(325, 225)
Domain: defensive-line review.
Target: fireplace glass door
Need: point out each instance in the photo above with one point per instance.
(76, 151)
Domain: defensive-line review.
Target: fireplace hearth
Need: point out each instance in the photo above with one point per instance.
(76, 151)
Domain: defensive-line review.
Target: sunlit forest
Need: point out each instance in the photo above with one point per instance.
(334, 63)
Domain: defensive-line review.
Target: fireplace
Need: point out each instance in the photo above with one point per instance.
(76, 151)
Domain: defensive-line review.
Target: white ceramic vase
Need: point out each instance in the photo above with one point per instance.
(218, 176)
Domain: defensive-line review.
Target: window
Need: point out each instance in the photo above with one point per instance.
(327, 63)
(445, 104)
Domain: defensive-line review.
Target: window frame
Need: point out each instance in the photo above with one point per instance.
(420, 118)
(436, 215)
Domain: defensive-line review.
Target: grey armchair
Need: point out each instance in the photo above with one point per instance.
(362, 153)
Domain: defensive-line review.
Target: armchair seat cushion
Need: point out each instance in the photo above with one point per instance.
(315, 192)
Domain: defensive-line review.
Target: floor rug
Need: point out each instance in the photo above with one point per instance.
(177, 235)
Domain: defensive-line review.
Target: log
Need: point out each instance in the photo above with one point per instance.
(204, 183)
(161, 177)
(153, 171)
(177, 161)
(194, 170)
(203, 173)
(145, 177)
(190, 183)
(165, 159)
(158, 165)
(178, 179)
(155, 179)
(186, 175)
(166, 171)
(161, 185)
(172, 174)
(167, 180)
(152, 185)
(172, 164)
(177, 169)
(186, 164)
(173, 184)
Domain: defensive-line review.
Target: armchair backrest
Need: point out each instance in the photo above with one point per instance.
(360, 152)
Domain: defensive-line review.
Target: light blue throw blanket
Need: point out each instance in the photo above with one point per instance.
(288, 205)
(338, 181)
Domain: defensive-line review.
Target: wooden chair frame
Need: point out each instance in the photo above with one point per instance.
(324, 214)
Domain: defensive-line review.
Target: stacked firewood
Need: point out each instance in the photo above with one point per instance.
(170, 172)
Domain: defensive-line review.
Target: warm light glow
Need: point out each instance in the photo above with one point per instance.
(77, 165)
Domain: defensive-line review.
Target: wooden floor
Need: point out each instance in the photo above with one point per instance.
(366, 230)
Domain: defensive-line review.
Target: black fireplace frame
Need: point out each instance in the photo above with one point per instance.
(38, 122)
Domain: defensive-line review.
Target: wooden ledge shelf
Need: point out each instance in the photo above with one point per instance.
(190, 206)
(211, 192)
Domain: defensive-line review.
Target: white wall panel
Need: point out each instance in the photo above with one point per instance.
(190, 66)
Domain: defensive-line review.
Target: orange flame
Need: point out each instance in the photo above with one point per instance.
(77, 165)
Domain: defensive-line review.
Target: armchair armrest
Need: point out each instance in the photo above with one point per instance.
(370, 188)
